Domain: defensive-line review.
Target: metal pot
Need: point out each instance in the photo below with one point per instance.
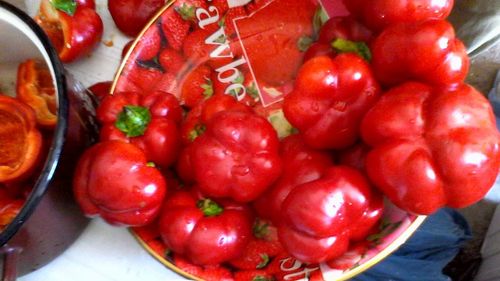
(50, 221)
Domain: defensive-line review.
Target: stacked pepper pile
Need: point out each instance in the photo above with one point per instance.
(241, 135)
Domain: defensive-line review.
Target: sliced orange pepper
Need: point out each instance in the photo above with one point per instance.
(9, 210)
(35, 87)
(20, 140)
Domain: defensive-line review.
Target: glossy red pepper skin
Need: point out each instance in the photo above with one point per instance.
(442, 150)
(321, 217)
(86, 3)
(74, 36)
(301, 164)
(354, 156)
(204, 239)
(101, 89)
(330, 98)
(113, 180)
(379, 14)
(318, 49)
(425, 51)
(197, 118)
(130, 16)
(184, 166)
(345, 28)
(161, 139)
(194, 125)
(338, 28)
(237, 156)
(12, 201)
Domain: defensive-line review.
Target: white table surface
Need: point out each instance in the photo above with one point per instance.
(107, 253)
(103, 253)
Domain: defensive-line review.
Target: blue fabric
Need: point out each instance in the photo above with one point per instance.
(426, 253)
(494, 97)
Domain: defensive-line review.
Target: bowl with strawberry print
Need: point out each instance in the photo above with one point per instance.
(47, 119)
(297, 146)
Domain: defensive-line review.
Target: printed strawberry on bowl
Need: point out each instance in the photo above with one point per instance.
(298, 201)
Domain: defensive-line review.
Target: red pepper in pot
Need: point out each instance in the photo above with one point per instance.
(379, 14)
(34, 87)
(20, 138)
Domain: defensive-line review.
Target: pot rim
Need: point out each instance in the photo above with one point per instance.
(59, 137)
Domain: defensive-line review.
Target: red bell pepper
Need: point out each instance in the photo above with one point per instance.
(338, 32)
(10, 204)
(301, 164)
(114, 180)
(346, 28)
(21, 140)
(35, 87)
(202, 230)
(13, 197)
(354, 156)
(131, 16)
(378, 14)
(237, 156)
(184, 166)
(86, 3)
(425, 51)
(330, 98)
(261, 249)
(9, 208)
(147, 121)
(73, 27)
(195, 124)
(443, 149)
(101, 89)
(321, 217)
(197, 118)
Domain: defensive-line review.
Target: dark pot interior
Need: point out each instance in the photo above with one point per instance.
(50, 220)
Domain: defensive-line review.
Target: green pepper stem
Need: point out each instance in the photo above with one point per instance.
(133, 120)
(66, 6)
(209, 207)
(347, 46)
